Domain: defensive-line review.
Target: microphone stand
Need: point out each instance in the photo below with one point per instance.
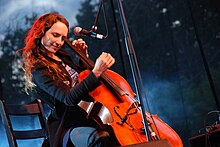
(134, 67)
(94, 27)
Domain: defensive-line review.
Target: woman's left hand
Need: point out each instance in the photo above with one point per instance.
(81, 45)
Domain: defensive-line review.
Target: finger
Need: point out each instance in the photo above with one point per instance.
(74, 42)
(106, 55)
(110, 62)
(85, 47)
(103, 54)
(80, 39)
(109, 57)
(81, 42)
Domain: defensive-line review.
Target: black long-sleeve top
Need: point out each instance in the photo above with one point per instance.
(59, 90)
(60, 97)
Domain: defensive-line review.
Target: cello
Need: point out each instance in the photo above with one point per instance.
(115, 96)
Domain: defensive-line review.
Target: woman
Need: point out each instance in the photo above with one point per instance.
(52, 76)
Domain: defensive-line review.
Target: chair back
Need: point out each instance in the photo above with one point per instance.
(32, 109)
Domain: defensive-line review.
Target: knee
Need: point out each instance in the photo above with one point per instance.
(103, 134)
(102, 138)
(90, 137)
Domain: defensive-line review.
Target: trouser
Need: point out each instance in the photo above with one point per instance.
(86, 137)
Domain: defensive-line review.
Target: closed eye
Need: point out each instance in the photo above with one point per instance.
(56, 34)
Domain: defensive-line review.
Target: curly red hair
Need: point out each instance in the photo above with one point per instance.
(31, 54)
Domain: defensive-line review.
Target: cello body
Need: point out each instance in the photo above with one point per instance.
(130, 131)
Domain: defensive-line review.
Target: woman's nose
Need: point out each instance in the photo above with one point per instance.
(59, 42)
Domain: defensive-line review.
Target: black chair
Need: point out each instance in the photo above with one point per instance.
(32, 109)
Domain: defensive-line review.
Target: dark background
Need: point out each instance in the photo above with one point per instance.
(168, 37)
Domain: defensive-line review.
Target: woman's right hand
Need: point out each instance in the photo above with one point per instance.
(103, 62)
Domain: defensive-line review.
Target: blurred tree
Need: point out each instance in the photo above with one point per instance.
(11, 72)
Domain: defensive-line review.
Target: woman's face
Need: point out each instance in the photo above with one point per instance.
(53, 38)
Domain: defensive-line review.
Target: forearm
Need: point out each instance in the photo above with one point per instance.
(62, 92)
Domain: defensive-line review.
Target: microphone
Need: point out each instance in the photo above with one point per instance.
(82, 32)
